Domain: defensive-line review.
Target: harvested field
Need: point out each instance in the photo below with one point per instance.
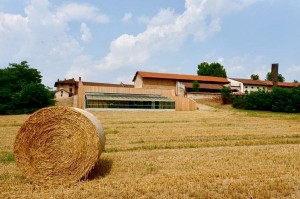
(216, 152)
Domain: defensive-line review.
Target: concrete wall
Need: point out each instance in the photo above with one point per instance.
(180, 89)
(184, 104)
(65, 102)
(204, 95)
(236, 85)
(159, 83)
(138, 83)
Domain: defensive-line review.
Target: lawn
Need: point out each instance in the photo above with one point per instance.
(216, 152)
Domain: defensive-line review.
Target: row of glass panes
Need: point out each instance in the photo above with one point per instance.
(130, 104)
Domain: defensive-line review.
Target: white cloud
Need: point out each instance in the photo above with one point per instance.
(244, 66)
(220, 60)
(144, 19)
(86, 33)
(127, 17)
(164, 17)
(41, 36)
(167, 30)
(78, 12)
(80, 67)
(9, 22)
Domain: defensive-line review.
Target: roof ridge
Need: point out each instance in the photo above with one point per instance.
(180, 76)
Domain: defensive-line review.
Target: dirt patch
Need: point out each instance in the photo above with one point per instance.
(203, 107)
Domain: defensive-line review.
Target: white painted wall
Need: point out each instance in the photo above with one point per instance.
(236, 85)
(253, 88)
(180, 89)
(245, 88)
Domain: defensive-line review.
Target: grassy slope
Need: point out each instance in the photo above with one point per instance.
(214, 153)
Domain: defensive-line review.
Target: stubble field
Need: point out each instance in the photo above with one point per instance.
(211, 153)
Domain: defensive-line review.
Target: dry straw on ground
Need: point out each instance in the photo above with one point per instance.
(58, 145)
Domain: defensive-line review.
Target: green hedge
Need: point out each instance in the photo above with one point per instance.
(279, 100)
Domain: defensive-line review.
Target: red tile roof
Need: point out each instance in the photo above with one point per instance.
(62, 90)
(107, 84)
(250, 81)
(265, 83)
(72, 81)
(180, 77)
(66, 81)
(283, 84)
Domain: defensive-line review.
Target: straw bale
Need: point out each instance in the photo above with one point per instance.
(58, 145)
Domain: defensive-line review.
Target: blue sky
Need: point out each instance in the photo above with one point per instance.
(108, 41)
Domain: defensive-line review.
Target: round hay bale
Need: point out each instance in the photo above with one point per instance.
(58, 145)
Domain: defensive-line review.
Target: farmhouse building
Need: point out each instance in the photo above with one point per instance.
(245, 86)
(71, 86)
(154, 91)
(62, 94)
(177, 82)
(149, 91)
(281, 85)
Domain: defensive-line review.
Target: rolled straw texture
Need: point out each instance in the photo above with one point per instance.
(59, 145)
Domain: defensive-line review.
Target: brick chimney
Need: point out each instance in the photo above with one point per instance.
(275, 74)
(80, 79)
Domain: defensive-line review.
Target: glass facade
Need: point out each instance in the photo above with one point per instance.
(128, 101)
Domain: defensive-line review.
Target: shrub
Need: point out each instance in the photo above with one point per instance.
(195, 86)
(239, 102)
(279, 100)
(226, 97)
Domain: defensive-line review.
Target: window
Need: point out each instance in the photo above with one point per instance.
(128, 101)
(71, 90)
(252, 87)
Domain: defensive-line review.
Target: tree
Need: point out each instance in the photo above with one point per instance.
(269, 77)
(225, 93)
(213, 69)
(21, 90)
(254, 77)
(296, 81)
(195, 86)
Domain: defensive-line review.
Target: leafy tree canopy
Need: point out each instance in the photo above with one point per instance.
(195, 86)
(21, 90)
(213, 69)
(254, 77)
(280, 77)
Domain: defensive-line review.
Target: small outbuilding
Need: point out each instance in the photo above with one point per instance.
(62, 94)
